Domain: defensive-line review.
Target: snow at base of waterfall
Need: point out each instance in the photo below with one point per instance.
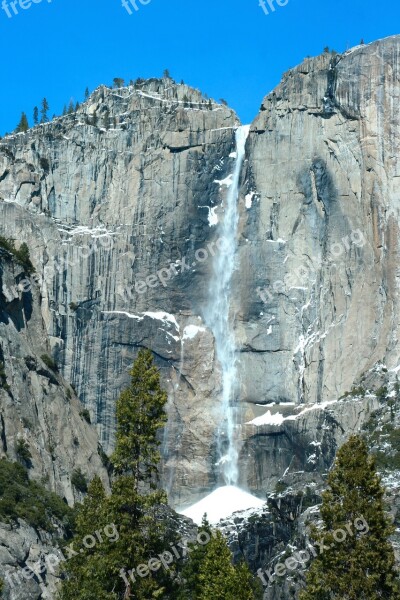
(222, 503)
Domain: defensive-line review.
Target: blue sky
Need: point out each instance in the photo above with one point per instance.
(227, 48)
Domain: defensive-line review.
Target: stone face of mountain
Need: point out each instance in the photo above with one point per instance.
(40, 414)
(105, 199)
(323, 166)
(109, 198)
(38, 408)
(22, 550)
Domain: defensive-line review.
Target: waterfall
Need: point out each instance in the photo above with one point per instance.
(219, 319)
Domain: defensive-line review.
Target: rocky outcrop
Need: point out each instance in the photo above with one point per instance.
(28, 563)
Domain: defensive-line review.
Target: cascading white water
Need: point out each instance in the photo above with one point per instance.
(219, 319)
(218, 316)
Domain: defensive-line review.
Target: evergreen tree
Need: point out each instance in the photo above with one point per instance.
(44, 110)
(135, 506)
(86, 93)
(218, 577)
(23, 124)
(23, 256)
(361, 566)
(118, 82)
(191, 585)
(137, 445)
(86, 580)
(35, 115)
(64, 112)
(209, 572)
(166, 74)
(71, 108)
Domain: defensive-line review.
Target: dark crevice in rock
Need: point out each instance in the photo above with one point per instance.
(3, 435)
(2, 177)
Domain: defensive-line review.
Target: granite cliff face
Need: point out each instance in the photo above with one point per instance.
(109, 198)
(38, 407)
(40, 413)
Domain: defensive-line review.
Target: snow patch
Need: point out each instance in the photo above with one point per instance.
(268, 419)
(248, 200)
(212, 216)
(191, 331)
(278, 241)
(160, 316)
(222, 503)
(227, 182)
(277, 419)
(97, 232)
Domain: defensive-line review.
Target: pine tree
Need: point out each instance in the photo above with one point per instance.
(360, 566)
(191, 585)
(23, 124)
(135, 507)
(118, 82)
(44, 110)
(71, 108)
(86, 93)
(35, 115)
(210, 573)
(64, 112)
(137, 445)
(24, 258)
(218, 577)
(91, 517)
